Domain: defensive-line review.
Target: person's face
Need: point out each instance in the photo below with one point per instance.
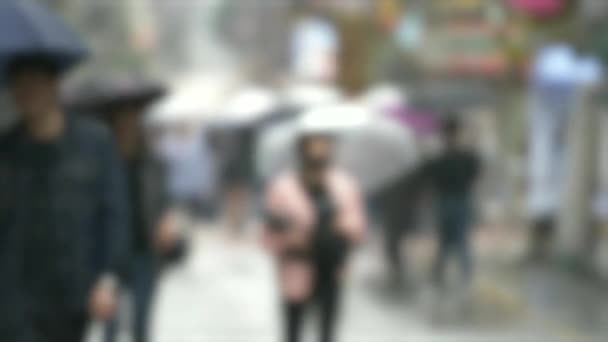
(34, 92)
(317, 153)
(125, 124)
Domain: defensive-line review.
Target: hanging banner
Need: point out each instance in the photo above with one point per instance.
(539, 8)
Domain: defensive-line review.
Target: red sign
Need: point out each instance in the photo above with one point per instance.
(541, 8)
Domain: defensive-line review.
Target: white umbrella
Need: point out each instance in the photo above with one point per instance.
(311, 95)
(177, 108)
(191, 99)
(385, 97)
(375, 150)
(378, 153)
(247, 107)
(275, 141)
(335, 119)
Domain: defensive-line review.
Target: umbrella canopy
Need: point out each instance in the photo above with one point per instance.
(422, 123)
(335, 119)
(28, 28)
(176, 109)
(310, 95)
(385, 98)
(374, 149)
(247, 108)
(294, 100)
(105, 91)
(192, 99)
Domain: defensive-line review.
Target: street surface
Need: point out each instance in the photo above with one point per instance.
(224, 292)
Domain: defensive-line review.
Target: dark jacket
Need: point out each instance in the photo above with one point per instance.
(149, 200)
(453, 173)
(63, 219)
(399, 200)
(452, 176)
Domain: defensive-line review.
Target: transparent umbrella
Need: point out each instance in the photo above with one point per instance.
(193, 99)
(247, 108)
(304, 96)
(374, 149)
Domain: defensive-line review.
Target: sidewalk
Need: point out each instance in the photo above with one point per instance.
(226, 292)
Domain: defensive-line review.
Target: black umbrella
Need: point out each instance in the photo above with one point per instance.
(110, 90)
(28, 28)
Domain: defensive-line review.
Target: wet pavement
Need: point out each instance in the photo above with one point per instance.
(225, 292)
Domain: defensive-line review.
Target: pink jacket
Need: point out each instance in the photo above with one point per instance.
(286, 198)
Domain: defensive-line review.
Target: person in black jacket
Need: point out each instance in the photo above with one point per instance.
(152, 227)
(63, 213)
(452, 176)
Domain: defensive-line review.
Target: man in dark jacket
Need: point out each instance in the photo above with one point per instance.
(153, 230)
(63, 213)
(453, 175)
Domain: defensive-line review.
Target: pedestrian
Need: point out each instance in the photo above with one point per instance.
(191, 169)
(315, 214)
(452, 175)
(153, 228)
(63, 208)
(399, 203)
(238, 178)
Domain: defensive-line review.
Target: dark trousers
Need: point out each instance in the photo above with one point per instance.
(392, 242)
(455, 216)
(395, 231)
(61, 327)
(457, 246)
(142, 284)
(327, 297)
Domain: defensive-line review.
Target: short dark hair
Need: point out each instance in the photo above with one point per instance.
(451, 126)
(36, 62)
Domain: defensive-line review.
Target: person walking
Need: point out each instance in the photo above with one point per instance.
(399, 203)
(238, 179)
(315, 214)
(452, 176)
(63, 211)
(152, 226)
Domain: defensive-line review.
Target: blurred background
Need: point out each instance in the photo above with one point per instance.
(526, 78)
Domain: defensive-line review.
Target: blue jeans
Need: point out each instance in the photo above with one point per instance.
(141, 281)
(455, 219)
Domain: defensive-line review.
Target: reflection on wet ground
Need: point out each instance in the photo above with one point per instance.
(225, 292)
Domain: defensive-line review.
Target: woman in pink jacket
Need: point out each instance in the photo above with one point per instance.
(314, 215)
